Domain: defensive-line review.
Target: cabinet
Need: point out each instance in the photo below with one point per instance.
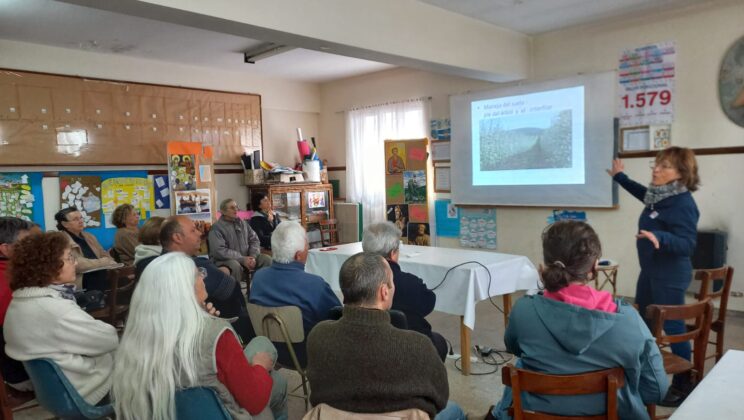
(307, 203)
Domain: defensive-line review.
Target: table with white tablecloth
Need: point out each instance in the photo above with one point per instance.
(717, 396)
(459, 292)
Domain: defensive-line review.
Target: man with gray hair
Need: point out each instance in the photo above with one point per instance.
(412, 297)
(286, 283)
(12, 229)
(233, 244)
(362, 364)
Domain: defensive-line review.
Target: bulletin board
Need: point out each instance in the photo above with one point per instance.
(48, 119)
(21, 196)
(406, 183)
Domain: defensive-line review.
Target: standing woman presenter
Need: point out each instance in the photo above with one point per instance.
(667, 233)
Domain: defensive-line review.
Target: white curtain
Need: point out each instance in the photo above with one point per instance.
(366, 132)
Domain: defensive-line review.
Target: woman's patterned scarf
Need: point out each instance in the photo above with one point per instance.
(656, 193)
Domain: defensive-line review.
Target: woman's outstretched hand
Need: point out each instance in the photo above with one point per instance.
(617, 167)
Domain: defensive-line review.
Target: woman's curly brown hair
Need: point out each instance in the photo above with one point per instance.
(37, 260)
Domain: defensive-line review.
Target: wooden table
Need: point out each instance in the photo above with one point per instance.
(717, 396)
(610, 276)
(463, 288)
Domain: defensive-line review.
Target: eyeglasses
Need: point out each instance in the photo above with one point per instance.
(201, 272)
(661, 165)
(70, 259)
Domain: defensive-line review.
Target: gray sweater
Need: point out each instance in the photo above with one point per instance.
(232, 240)
(362, 364)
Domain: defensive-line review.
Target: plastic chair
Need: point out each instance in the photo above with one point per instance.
(606, 381)
(282, 324)
(708, 277)
(200, 403)
(57, 395)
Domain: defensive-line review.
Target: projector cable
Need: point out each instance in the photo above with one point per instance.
(490, 298)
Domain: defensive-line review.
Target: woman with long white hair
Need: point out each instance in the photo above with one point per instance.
(173, 341)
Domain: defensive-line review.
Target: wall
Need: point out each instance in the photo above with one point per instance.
(703, 33)
(285, 104)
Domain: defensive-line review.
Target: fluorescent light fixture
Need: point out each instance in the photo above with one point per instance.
(264, 51)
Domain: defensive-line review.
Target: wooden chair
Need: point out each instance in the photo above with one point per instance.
(718, 325)
(702, 313)
(328, 232)
(121, 284)
(282, 324)
(602, 381)
(5, 408)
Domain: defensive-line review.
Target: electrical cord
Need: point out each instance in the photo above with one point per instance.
(490, 298)
(504, 356)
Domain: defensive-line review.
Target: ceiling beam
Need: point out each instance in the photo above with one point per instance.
(406, 33)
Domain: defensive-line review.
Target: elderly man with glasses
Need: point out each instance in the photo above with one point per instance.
(234, 244)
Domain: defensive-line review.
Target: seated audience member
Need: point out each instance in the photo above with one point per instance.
(12, 229)
(86, 250)
(362, 364)
(572, 328)
(233, 244)
(264, 219)
(412, 297)
(179, 234)
(286, 283)
(172, 341)
(149, 239)
(44, 321)
(126, 219)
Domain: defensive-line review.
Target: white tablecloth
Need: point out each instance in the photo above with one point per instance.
(464, 287)
(717, 396)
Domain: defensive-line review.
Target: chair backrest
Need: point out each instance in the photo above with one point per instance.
(326, 412)
(328, 232)
(121, 281)
(57, 395)
(200, 403)
(701, 312)
(281, 324)
(707, 279)
(602, 381)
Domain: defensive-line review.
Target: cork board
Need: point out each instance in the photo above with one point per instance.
(64, 120)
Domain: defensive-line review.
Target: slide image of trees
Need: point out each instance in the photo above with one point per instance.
(414, 186)
(533, 141)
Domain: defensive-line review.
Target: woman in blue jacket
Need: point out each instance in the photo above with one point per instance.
(667, 233)
(572, 328)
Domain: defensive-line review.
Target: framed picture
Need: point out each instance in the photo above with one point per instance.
(634, 139)
(442, 179)
(440, 151)
(661, 136)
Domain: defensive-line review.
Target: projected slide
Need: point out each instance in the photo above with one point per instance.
(530, 139)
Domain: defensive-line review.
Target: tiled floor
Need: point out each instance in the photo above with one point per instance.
(474, 393)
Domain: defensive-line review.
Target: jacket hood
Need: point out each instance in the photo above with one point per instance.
(145, 251)
(258, 214)
(574, 327)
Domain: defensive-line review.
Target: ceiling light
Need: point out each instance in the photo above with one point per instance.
(263, 51)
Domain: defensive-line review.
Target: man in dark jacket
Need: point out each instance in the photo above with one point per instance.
(412, 297)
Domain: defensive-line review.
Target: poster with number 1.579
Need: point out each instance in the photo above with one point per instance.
(646, 85)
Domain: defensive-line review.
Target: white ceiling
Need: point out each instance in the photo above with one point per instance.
(533, 17)
(71, 26)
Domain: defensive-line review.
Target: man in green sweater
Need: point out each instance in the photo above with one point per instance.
(362, 364)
